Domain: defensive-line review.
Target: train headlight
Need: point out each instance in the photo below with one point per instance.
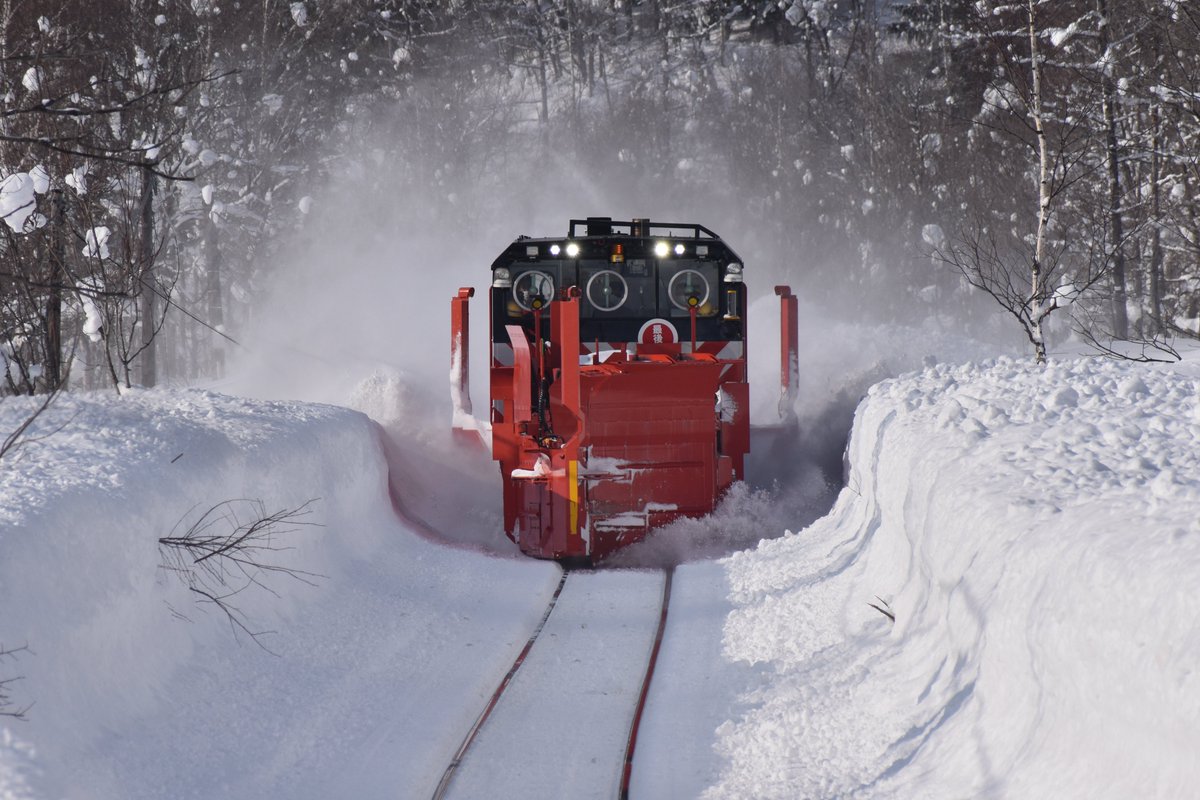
(572, 249)
(733, 273)
(679, 249)
(501, 278)
(661, 249)
(555, 249)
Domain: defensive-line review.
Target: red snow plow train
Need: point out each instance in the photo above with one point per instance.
(619, 393)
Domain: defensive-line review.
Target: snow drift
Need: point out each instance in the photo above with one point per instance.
(140, 692)
(1034, 532)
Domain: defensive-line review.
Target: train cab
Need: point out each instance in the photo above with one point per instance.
(618, 383)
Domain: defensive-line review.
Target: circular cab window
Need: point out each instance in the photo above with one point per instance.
(688, 289)
(607, 290)
(533, 290)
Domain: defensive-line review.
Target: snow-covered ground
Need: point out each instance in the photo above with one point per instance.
(138, 691)
(1034, 531)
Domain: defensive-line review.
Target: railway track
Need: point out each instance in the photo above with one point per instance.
(624, 683)
(631, 742)
(448, 775)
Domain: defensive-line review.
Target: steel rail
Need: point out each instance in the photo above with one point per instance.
(444, 785)
(631, 742)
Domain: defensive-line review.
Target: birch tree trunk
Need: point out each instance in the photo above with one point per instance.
(1156, 250)
(1036, 292)
(214, 289)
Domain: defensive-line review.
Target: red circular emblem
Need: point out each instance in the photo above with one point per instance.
(658, 331)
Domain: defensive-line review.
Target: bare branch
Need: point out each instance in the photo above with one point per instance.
(229, 549)
(883, 607)
(7, 708)
(18, 437)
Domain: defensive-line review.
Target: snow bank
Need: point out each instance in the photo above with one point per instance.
(138, 691)
(1034, 532)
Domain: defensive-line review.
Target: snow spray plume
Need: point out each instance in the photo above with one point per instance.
(424, 203)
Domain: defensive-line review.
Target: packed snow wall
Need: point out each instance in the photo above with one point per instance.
(142, 688)
(1032, 531)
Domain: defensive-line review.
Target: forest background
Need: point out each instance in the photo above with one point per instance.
(163, 161)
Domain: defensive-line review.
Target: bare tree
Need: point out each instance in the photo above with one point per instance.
(832, 129)
(96, 105)
(230, 549)
(1016, 108)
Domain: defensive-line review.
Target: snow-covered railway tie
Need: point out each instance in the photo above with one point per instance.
(563, 721)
